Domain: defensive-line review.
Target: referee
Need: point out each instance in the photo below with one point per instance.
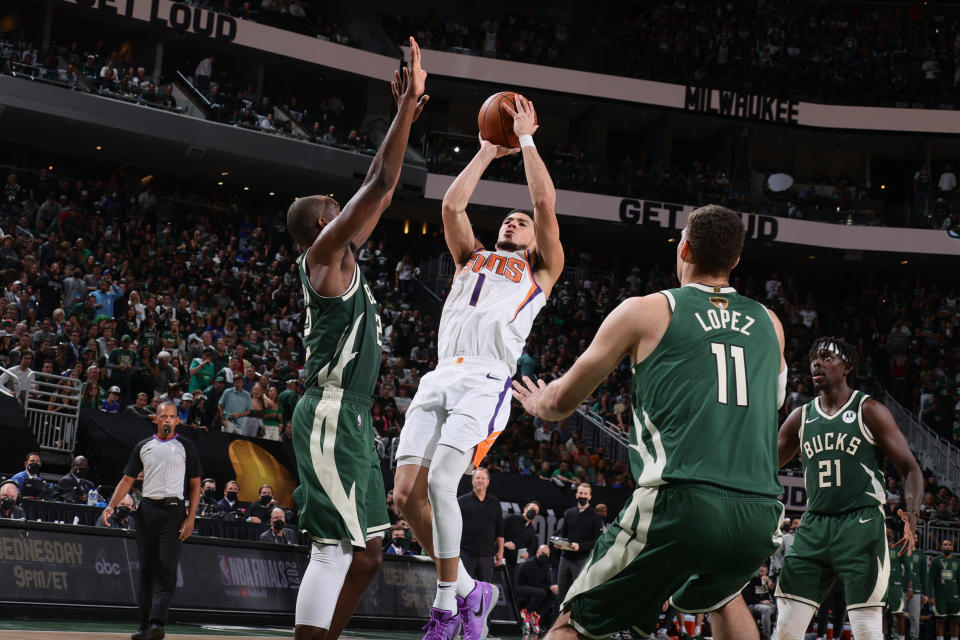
(163, 522)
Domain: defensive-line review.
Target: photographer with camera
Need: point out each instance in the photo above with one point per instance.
(169, 463)
(122, 517)
(278, 533)
(9, 496)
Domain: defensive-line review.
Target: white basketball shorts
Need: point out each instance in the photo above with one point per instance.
(463, 403)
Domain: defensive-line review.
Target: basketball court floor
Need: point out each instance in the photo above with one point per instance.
(85, 630)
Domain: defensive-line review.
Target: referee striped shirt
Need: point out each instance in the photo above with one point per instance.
(167, 465)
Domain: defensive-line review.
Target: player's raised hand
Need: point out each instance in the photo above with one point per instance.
(498, 152)
(410, 83)
(906, 544)
(528, 394)
(524, 117)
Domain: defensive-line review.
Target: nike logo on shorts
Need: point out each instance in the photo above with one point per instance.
(492, 377)
(813, 419)
(862, 521)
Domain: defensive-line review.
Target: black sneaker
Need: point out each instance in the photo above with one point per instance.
(139, 634)
(156, 632)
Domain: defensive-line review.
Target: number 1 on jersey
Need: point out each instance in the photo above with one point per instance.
(476, 290)
(719, 350)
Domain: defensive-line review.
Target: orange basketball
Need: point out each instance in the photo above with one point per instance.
(496, 125)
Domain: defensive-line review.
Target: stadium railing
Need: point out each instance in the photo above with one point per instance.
(933, 451)
(9, 383)
(596, 432)
(51, 411)
(932, 536)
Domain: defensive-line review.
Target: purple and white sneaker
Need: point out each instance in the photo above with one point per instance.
(442, 625)
(475, 608)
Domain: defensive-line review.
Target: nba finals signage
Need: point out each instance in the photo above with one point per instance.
(673, 215)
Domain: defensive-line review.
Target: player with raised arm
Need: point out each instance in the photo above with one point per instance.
(842, 436)
(344, 506)
(461, 407)
(703, 448)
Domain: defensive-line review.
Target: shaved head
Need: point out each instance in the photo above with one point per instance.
(304, 216)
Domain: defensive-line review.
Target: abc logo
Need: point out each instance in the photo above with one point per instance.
(106, 568)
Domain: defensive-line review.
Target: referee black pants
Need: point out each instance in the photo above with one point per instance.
(158, 540)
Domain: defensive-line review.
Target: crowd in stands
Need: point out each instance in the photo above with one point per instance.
(300, 16)
(873, 54)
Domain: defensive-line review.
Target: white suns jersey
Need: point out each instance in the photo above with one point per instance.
(491, 307)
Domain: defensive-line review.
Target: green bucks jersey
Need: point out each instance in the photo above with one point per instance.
(342, 335)
(841, 460)
(705, 400)
(943, 575)
(898, 572)
(915, 571)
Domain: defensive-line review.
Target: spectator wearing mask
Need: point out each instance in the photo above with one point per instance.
(536, 592)
(481, 547)
(122, 517)
(229, 502)
(398, 539)
(261, 510)
(278, 533)
(74, 485)
(31, 470)
(9, 496)
(581, 527)
(520, 538)
(758, 596)
(209, 506)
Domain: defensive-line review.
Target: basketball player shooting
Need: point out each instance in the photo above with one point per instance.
(462, 406)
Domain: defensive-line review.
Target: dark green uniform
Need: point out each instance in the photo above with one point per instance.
(842, 535)
(704, 452)
(895, 585)
(915, 573)
(343, 495)
(944, 585)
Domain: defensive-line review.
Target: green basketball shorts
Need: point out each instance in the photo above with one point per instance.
(946, 603)
(343, 494)
(849, 547)
(696, 544)
(895, 596)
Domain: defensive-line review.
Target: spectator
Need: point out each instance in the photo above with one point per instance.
(235, 404)
(31, 471)
(563, 474)
(140, 408)
(278, 533)
(481, 546)
(22, 372)
(111, 404)
(581, 527)
(122, 517)
(758, 594)
(228, 503)
(947, 184)
(9, 497)
(536, 591)
(263, 507)
(209, 505)
(74, 485)
(185, 410)
(203, 72)
(398, 542)
(202, 370)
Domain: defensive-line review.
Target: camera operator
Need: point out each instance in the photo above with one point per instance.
(9, 496)
(278, 533)
(122, 517)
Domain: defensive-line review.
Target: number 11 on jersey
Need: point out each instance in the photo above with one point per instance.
(719, 351)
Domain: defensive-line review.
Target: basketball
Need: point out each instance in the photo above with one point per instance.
(495, 123)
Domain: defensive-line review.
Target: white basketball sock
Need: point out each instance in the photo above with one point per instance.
(465, 584)
(446, 596)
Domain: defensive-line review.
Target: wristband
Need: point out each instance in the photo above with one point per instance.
(527, 141)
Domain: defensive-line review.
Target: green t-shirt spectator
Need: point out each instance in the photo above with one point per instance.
(203, 377)
(568, 474)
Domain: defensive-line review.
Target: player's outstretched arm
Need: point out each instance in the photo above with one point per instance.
(782, 378)
(788, 440)
(617, 336)
(881, 424)
(456, 225)
(361, 214)
(544, 196)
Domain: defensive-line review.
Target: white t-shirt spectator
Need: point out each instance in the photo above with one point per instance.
(948, 181)
(204, 68)
(808, 316)
(773, 288)
(930, 70)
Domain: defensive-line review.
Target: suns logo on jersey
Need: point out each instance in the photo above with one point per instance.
(720, 303)
(511, 268)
